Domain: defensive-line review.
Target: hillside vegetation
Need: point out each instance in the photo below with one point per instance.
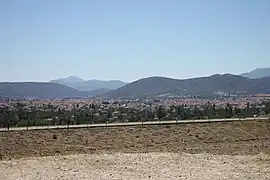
(226, 83)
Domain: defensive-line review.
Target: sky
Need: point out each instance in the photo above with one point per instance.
(131, 39)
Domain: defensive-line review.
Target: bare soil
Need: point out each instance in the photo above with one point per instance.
(137, 166)
(222, 138)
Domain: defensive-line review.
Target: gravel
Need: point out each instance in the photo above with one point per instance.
(137, 166)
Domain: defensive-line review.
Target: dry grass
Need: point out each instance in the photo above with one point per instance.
(227, 138)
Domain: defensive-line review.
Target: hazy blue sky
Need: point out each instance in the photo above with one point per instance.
(130, 39)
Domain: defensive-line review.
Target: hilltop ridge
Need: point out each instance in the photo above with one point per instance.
(88, 85)
(227, 83)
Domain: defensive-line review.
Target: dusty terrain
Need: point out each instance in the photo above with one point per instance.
(235, 138)
(137, 166)
(227, 150)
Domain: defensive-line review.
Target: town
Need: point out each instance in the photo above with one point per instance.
(14, 113)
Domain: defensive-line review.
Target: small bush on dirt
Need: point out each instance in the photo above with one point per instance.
(54, 136)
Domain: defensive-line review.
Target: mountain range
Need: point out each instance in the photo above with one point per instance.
(75, 87)
(215, 84)
(257, 73)
(89, 85)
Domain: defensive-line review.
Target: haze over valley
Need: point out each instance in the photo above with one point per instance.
(139, 90)
(75, 87)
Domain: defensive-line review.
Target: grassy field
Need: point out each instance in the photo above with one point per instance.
(224, 138)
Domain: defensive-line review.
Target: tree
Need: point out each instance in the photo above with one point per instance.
(236, 112)
(207, 111)
(160, 112)
(68, 122)
(54, 121)
(132, 117)
(267, 108)
(109, 114)
(213, 113)
(77, 118)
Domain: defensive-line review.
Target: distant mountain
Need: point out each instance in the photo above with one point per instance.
(38, 90)
(97, 84)
(152, 86)
(81, 85)
(227, 83)
(70, 79)
(98, 92)
(257, 73)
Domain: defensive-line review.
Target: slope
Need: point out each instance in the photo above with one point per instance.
(257, 73)
(38, 90)
(228, 83)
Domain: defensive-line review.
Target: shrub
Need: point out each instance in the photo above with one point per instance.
(54, 136)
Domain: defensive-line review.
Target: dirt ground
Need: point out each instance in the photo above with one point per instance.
(227, 150)
(228, 138)
(138, 166)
